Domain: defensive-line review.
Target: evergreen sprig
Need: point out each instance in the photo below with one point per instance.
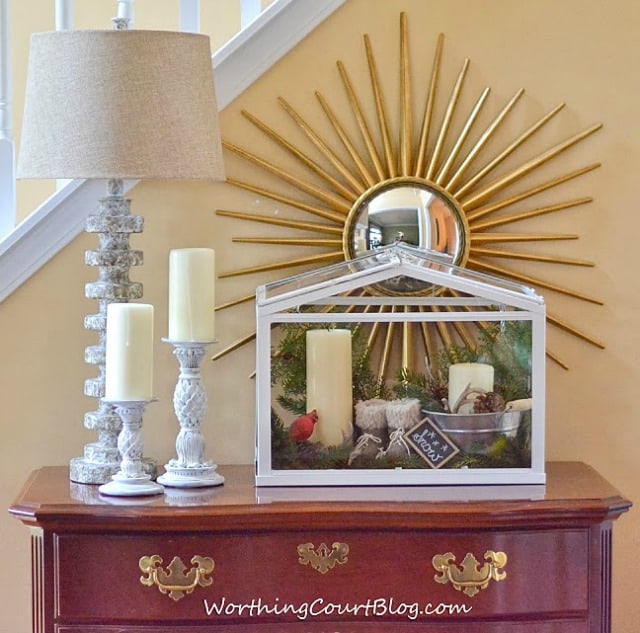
(289, 367)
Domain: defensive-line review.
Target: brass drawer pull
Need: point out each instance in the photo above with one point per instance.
(177, 581)
(469, 577)
(323, 559)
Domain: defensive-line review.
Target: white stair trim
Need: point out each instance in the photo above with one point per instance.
(237, 65)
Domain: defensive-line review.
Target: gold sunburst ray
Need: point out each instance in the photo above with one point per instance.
(444, 127)
(563, 325)
(237, 344)
(291, 202)
(425, 129)
(375, 329)
(443, 331)
(235, 302)
(359, 163)
(335, 202)
(468, 186)
(442, 163)
(556, 359)
(510, 218)
(383, 124)
(474, 200)
(289, 241)
(529, 280)
(346, 192)
(407, 345)
(406, 120)
(325, 150)
(448, 164)
(430, 348)
(482, 141)
(292, 224)
(487, 238)
(362, 123)
(549, 259)
(321, 258)
(463, 331)
(480, 212)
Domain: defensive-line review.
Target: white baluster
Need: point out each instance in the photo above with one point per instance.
(64, 15)
(7, 151)
(249, 11)
(189, 20)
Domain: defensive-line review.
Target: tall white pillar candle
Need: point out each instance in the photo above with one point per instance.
(191, 295)
(465, 375)
(329, 385)
(129, 352)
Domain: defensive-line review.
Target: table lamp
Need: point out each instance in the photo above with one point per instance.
(115, 105)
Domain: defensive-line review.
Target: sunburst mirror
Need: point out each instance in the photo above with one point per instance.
(449, 190)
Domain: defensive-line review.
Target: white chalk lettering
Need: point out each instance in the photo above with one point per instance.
(427, 448)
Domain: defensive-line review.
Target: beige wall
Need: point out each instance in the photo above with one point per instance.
(582, 52)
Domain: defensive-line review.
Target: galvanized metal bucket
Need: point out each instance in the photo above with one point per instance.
(476, 433)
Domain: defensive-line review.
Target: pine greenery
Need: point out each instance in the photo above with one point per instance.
(506, 346)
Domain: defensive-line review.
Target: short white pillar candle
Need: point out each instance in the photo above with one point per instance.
(129, 352)
(191, 295)
(468, 375)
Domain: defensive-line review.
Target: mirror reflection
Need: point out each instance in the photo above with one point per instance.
(414, 213)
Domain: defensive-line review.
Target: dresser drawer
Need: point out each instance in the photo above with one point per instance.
(380, 576)
(556, 626)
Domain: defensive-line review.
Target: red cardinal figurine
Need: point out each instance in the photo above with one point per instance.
(302, 427)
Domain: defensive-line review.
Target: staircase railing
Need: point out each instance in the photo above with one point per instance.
(7, 150)
(264, 39)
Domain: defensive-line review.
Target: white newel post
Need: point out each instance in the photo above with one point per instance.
(7, 150)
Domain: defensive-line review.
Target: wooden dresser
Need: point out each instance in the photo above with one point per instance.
(500, 559)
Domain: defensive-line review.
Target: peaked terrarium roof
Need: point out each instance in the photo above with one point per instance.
(398, 273)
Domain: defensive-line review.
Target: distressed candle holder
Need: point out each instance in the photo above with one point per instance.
(131, 480)
(190, 469)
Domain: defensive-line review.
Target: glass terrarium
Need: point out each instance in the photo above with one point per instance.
(399, 368)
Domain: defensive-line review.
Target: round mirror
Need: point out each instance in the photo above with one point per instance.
(411, 211)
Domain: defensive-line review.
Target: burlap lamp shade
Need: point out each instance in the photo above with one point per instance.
(120, 104)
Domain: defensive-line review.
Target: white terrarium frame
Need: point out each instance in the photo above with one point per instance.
(279, 303)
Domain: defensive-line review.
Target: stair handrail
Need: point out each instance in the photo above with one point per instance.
(237, 64)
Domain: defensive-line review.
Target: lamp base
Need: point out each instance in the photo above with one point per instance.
(114, 224)
(85, 471)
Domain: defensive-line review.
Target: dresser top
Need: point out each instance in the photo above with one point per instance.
(574, 495)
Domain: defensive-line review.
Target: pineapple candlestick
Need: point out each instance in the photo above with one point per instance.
(190, 469)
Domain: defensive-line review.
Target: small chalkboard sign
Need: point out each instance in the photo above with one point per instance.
(431, 443)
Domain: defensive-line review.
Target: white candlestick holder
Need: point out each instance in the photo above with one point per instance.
(190, 469)
(131, 480)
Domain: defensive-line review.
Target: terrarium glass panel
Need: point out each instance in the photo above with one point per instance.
(399, 368)
(354, 396)
(380, 262)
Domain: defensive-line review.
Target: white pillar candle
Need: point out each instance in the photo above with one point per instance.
(191, 295)
(465, 375)
(329, 385)
(129, 352)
